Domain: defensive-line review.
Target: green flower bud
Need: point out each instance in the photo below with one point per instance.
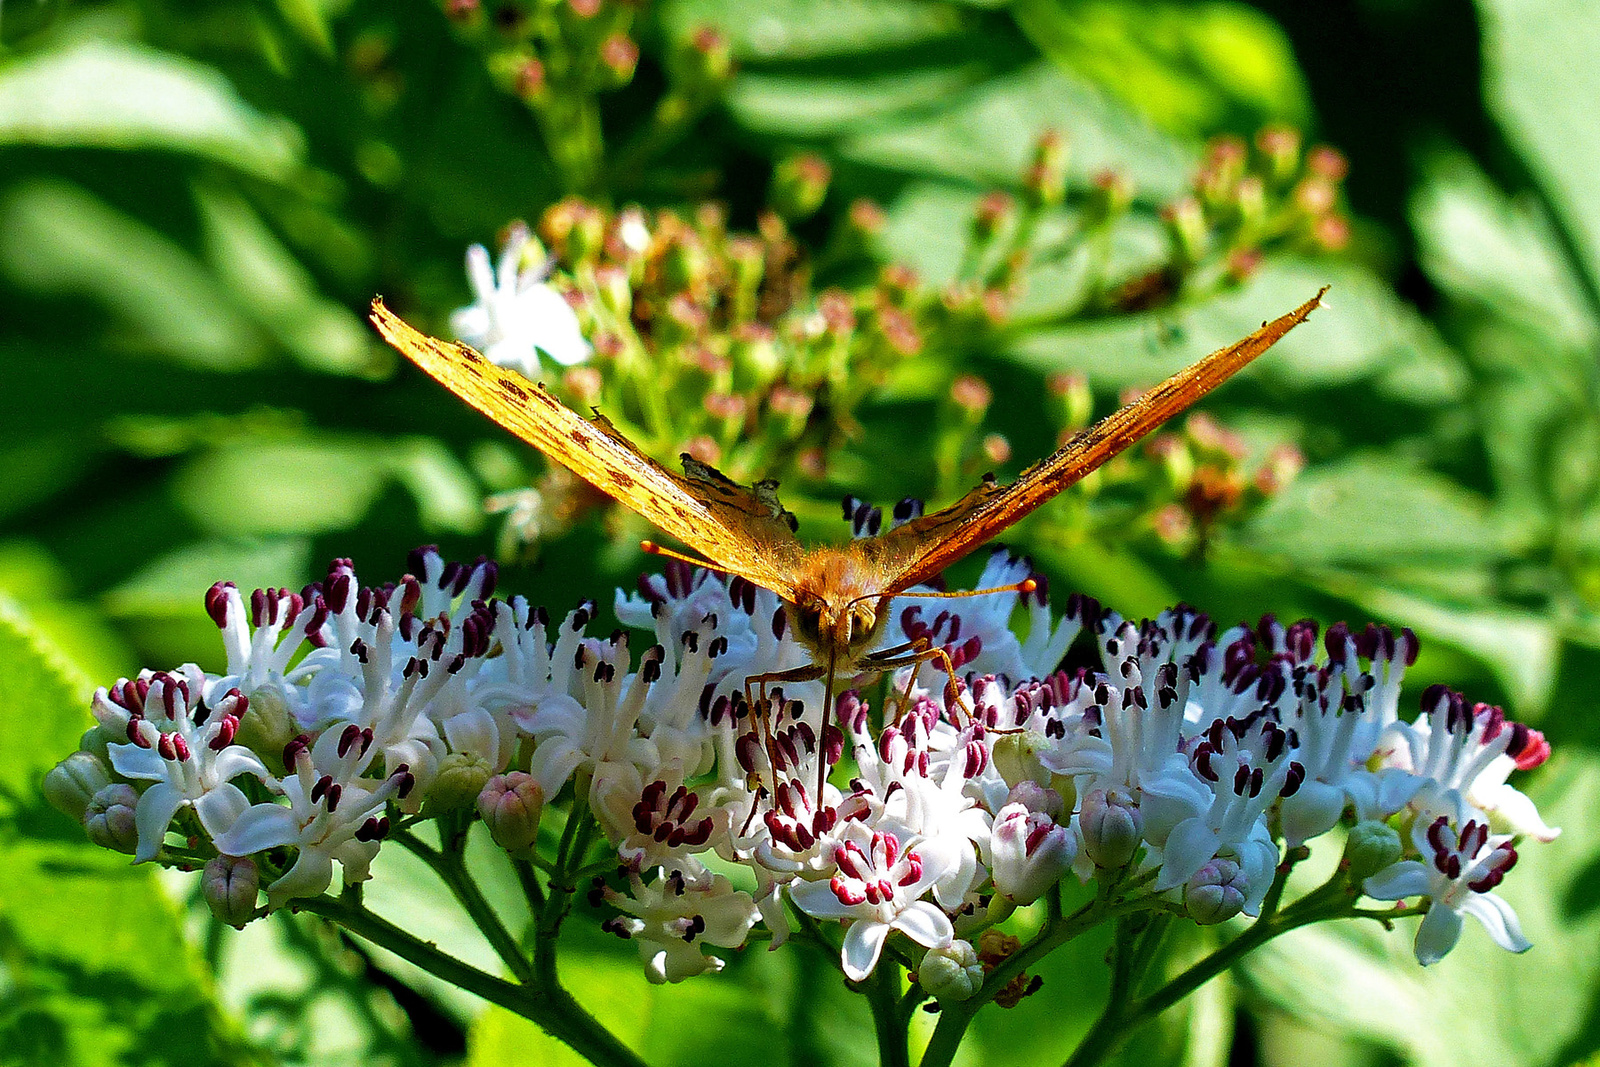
(511, 805)
(1016, 758)
(1371, 847)
(799, 184)
(1186, 227)
(73, 782)
(461, 778)
(230, 885)
(1112, 827)
(951, 973)
(615, 291)
(95, 741)
(1045, 181)
(267, 726)
(109, 818)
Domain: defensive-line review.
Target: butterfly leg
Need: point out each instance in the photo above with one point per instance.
(920, 652)
(810, 672)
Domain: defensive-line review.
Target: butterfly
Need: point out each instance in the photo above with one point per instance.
(836, 596)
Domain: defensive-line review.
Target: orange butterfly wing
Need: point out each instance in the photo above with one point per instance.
(744, 531)
(920, 549)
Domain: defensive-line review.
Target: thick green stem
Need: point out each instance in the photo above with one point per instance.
(883, 993)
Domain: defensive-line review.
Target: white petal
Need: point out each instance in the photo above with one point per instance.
(818, 899)
(474, 732)
(219, 808)
(143, 764)
(311, 874)
(1407, 878)
(480, 274)
(1438, 934)
(1190, 846)
(1515, 810)
(236, 760)
(260, 827)
(863, 943)
(1312, 811)
(1497, 918)
(153, 815)
(925, 924)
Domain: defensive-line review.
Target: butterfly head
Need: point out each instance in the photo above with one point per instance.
(838, 609)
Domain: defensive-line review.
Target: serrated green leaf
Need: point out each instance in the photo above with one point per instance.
(96, 967)
(268, 282)
(1372, 512)
(1361, 980)
(1541, 71)
(985, 136)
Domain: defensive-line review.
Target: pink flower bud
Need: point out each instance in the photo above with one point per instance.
(1035, 797)
(1112, 827)
(511, 804)
(230, 884)
(1216, 892)
(1030, 853)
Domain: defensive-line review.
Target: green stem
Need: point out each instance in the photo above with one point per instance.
(553, 1010)
(447, 865)
(956, 1017)
(1124, 1015)
(883, 994)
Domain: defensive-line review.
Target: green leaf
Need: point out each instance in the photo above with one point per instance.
(1484, 247)
(58, 239)
(1193, 68)
(1363, 332)
(1369, 511)
(985, 136)
(271, 285)
(120, 95)
(809, 29)
(97, 970)
(1541, 74)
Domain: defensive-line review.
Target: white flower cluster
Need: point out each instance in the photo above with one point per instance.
(1188, 757)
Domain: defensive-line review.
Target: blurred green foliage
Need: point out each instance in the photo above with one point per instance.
(197, 201)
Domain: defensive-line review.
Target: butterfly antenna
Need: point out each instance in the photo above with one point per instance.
(650, 548)
(1026, 586)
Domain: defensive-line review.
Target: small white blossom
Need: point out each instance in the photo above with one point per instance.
(1457, 872)
(516, 314)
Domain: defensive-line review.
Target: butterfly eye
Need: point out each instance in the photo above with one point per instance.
(807, 617)
(863, 623)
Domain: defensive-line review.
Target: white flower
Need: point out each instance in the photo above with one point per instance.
(672, 917)
(1247, 765)
(1459, 871)
(1464, 755)
(333, 814)
(877, 884)
(516, 315)
(191, 766)
(262, 642)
